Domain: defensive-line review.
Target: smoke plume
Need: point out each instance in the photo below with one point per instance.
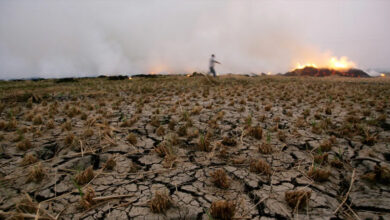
(43, 38)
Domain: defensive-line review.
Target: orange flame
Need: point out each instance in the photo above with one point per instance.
(333, 63)
(383, 75)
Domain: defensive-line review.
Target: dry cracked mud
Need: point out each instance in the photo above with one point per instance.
(170, 134)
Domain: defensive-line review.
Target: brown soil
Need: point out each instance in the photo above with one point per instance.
(231, 147)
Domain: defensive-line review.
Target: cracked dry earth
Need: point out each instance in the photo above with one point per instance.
(170, 134)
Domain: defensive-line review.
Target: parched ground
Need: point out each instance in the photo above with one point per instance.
(170, 147)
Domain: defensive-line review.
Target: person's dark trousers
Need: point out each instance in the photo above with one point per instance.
(212, 70)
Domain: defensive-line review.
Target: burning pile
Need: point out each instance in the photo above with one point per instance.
(336, 67)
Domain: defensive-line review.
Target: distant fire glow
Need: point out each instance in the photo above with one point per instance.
(383, 75)
(333, 63)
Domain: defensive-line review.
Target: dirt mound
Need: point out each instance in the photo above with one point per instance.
(320, 72)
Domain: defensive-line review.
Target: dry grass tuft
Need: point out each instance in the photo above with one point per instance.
(110, 163)
(204, 144)
(69, 139)
(160, 131)
(223, 209)
(87, 198)
(162, 149)
(229, 141)
(297, 199)
(26, 205)
(238, 160)
(85, 176)
(321, 158)
(132, 138)
(155, 122)
(37, 120)
(50, 124)
(129, 122)
(380, 174)
(220, 179)
(256, 132)
(282, 136)
(265, 148)
(260, 166)
(67, 126)
(336, 163)
(326, 146)
(182, 131)
(172, 124)
(160, 202)
(29, 159)
(37, 173)
(24, 145)
(318, 174)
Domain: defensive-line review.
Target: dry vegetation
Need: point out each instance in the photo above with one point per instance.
(195, 148)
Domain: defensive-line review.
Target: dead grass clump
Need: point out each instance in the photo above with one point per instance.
(160, 131)
(37, 120)
(73, 112)
(282, 136)
(50, 124)
(256, 132)
(88, 132)
(12, 125)
(267, 108)
(318, 174)
(85, 176)
(238, 160)
(169, 160)
(229, 141)
(336, 163)
(110, 163)
(265, 148)
(66, 126)
(196, 110)
(380, 174)
(29, 159)
(369, 139)
(164, 149)
(24, 145)
(155, 122)
(3, 125)
(87, 198)
(130, 122)
(172, 124)
(326, 146)
(203, 144)
(69, 139)
(220, 179)
(26, 205)
(182, 131)
(260, 166)
(328, 110)
(132, 138)
(223, 209)
(84, 116)
(297, 199)
(321, 158)
(37, 173)
(160, 202)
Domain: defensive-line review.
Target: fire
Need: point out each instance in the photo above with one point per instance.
(299, 66)
(383, 75)
(333, 63)
(342, 63)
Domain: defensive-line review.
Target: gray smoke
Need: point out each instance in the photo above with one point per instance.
(48, 38)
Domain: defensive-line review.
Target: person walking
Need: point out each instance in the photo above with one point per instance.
(212, 64)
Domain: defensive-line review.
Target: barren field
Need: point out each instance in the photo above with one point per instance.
(193, 148)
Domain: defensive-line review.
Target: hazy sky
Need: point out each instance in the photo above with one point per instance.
(53, 38)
